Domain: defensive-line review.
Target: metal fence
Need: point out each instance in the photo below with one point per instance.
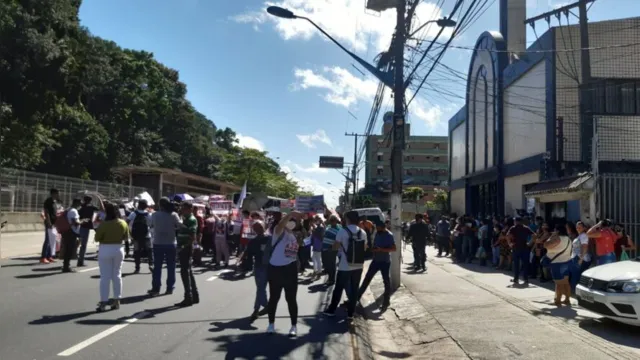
(25, 191)
(618, 200)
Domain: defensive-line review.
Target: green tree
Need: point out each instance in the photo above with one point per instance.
(412, 194)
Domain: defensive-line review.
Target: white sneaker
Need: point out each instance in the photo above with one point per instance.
(293, 332)
(271, 329)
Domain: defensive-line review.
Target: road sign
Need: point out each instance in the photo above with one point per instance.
(331, 162)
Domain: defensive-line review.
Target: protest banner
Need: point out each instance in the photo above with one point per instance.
(310, 204)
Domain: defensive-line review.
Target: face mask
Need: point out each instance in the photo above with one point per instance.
(291, 225)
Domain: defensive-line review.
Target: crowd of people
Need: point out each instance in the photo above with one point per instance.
(533, 248)
(276, 248)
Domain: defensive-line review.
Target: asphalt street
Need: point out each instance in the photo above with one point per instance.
(45, 314)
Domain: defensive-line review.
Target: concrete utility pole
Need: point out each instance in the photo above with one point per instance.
(354, 171)
(398, 140)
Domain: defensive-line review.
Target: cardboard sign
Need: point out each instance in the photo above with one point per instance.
(308, 204)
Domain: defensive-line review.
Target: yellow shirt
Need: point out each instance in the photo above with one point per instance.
(112, 232)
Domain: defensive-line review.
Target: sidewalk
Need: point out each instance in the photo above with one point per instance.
(28, 243)
(473, 312)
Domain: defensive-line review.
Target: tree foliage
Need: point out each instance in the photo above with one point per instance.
(412, 194)
(77, 105)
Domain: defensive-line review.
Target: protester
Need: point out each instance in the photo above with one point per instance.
(221, 242)
(282, 272)
(139, 223)
(316, 242)
(329, 253)
(111, 236)
(351, 244)
(50, 213)
(256, 250)
(70, 235)
(186, 240)
(383, 245)
(164, 223)
(87, 212)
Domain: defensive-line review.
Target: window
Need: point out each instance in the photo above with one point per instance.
(615, 97)
(436, 158)
(436, 146)
(379, 157)
(612, 98)
(379, 171)
(409, 172)
(628, 98)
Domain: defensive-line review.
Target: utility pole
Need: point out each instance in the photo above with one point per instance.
(398, 139)
(354, 172)
(346, 191)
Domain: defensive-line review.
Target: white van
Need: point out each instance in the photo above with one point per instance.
(375, 215)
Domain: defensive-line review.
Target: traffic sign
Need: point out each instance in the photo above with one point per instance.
(331, 162)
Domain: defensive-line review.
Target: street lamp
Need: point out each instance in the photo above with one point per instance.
(385, 77)
(444, 22)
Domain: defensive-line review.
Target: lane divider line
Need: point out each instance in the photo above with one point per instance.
(92, 340)
(218, 274)
(89, 269)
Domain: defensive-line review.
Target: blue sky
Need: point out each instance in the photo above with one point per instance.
(281, 86)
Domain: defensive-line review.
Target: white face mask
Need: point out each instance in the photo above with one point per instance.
(291, 225)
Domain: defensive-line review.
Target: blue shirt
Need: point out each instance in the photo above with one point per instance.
(384, 240)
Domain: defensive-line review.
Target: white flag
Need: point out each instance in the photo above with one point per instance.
(243, 195)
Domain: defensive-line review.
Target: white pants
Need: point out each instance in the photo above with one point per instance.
(317, 261)
(110, 258)
(52, 236)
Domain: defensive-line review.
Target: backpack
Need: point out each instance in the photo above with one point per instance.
(140, 228)
(355, 252)
(62, 223)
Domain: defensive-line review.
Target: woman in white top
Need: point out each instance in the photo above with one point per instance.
(282, 272)
(580, 256)
(559, 253)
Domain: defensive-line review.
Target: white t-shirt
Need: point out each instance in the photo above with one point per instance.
(576, 250)
(343, 238)
(286, 251)
(72, 216)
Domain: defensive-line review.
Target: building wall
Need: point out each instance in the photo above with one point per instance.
(458, 201)
(525, 116)
(514, 190)
(458, 152)
(607, 61)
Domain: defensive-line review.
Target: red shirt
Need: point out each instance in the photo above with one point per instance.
(605, 242)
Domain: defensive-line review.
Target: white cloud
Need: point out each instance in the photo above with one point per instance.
(250, 142)
(338, 86)
(310, 140)
(346, 20)
(314, 168)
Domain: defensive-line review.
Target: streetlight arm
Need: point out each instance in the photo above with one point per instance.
(421, 27)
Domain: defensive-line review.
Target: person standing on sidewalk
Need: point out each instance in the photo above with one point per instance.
(519, 236)
(186, 239)
(443, 233)
(50, 213)
(605, 239)
(164, 223)
(70, 235)
(419, 233)
(140, 223)
(383, 245)
(256, 250)
(351, 243)
(87, 212)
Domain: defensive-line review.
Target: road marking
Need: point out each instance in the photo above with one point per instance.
(92, 340)
(89, 269)
(218, 274)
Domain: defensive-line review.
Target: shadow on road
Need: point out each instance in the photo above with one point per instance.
(55, 319)
(41, 272)
(613, 332)
(394, 355)
(240, 324)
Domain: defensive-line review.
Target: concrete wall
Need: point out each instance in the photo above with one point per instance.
(458, 152)
(22, 222)
(514, 191)
(524, 116)
(458, 201)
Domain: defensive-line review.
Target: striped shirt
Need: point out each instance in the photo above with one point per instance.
(330, 237)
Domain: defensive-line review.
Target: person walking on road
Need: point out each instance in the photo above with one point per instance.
(50, 213)
(140, 223)
(111, 235)
(186, 240)
(329, 252)
(419, 233)
(256, 250)
(87, 213)
(221, 242)
(282, 273)
(70, 234)
(383, 245)
(164, 223)
(316, 243)
(351, 244)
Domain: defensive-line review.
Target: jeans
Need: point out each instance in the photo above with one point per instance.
(140, 246)
(495, 255)
(467, 248)
(420, 255)
(521, 258)
(443, 244)
(329, 263)
(47, 251)
(576, 271)
(110, 258)
(283, 278)
(457, 244)
(162, 253)
(84, 239)
(374, 267)
(260, 276)
(186, 273)
(69, 239)
(350, 279)
(606, 258)
(317, 261)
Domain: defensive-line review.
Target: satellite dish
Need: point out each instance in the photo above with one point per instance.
(388, 117)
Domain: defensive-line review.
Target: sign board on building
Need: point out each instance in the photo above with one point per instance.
(331, 162)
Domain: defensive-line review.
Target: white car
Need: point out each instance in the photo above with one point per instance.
(613, 291)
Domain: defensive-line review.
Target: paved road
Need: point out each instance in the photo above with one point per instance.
(27, 243)
(45, 314)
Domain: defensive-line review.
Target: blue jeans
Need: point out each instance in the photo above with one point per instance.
(606, 259)
(374, 267)
(46, 246)
(260, 276)
(160, 254)
(496, 255)
(521, 258)
(576, 271)
(84, 239)
(467, 248)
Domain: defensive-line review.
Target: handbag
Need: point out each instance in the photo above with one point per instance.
(624, 256)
